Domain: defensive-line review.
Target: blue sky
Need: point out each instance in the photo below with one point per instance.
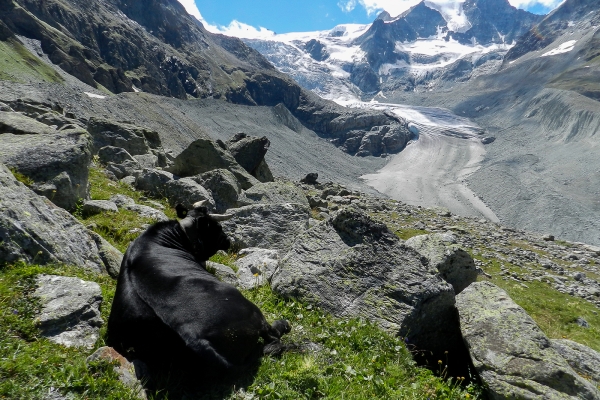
(243, 17)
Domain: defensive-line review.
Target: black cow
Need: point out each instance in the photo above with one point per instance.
(169, 310)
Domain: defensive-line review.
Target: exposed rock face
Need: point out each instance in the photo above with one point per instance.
(36, 231)
(269, 226)
(585, 361)
(316, 50)
(187, 192)
(223, 272)
(454, 264)
(92, 207)
(57, 162)
(141, 143)
(277, 192)
(204, 155)
(249, 151)
(352, 266)
(223, 186)
(70, 310)
(510, 353)
(256, 267)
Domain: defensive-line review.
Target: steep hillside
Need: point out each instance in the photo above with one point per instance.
(541, 171)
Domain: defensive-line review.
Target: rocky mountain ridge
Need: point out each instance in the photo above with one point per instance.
(427, 46)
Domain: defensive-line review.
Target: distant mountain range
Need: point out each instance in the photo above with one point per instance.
(424, 47)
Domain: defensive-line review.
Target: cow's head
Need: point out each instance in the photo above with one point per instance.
(203, 230)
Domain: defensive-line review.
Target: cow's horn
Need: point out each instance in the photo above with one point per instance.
(221, 217)
(200, 203)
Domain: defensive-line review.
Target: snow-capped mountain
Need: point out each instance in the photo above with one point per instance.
(432, 44)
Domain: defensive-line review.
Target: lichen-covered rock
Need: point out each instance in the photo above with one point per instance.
(256, 267)
(19, 124)
(273, 193)
(512, 356)
(223, 272)
(147, 212)
(585, 361)
(204, 155)
(129, 373)
(454, 264)
(224, 187)
(353, 266)
(154, 181)
(134, 139)
(125, 169)
(263, 172)
(57, 163)
(269, 226)
(113, 154)
(248, 151)
(70, 312)
(93, 207)
(34, 230)
(186, 191)
(110, 256)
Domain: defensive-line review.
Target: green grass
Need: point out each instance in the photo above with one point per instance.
(24, 179)
(17, 64)
(31, 364)
(356, 360)
(407, 233)
(124, 226)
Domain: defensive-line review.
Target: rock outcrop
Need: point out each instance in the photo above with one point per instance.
(35, 230)
(268, 226)
(277, 192)
(204, 155)
(256, 267)
(352, 266)
(249, 152)
(56, 162)
(453, 263)
(70, 312)
(585, 361)
(512, 356)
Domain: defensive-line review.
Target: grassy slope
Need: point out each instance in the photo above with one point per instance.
(17, 64)
(355, 360)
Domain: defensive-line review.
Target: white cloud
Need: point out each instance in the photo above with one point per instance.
(347, 5)
(397, 7)
(242, 30)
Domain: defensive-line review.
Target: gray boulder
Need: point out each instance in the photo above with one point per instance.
(127, 203)
(263, 172)
(58, 163)
(134, 139)
(269, 226)
(154, 181)
(454, 264)
(256, 267)
(147, 212)
(110, 256)
(249, 151)
(36, 231)
(129, 373)
(113, 154)
(19, 124)
(273, 193)
(187, 192)
(92, 207)
(204, 155)
(70, 312)
(353, 266)
(224, 187)
(125, 169)
(121, 200)
(585, 361)
(512, 356)
(223, 272)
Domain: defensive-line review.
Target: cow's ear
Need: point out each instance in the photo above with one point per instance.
(181, 211)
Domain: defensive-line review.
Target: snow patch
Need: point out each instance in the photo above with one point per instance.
(563, 48)
(453, 13)
(94, 95)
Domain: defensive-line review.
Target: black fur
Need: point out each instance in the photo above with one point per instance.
(169, 309)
